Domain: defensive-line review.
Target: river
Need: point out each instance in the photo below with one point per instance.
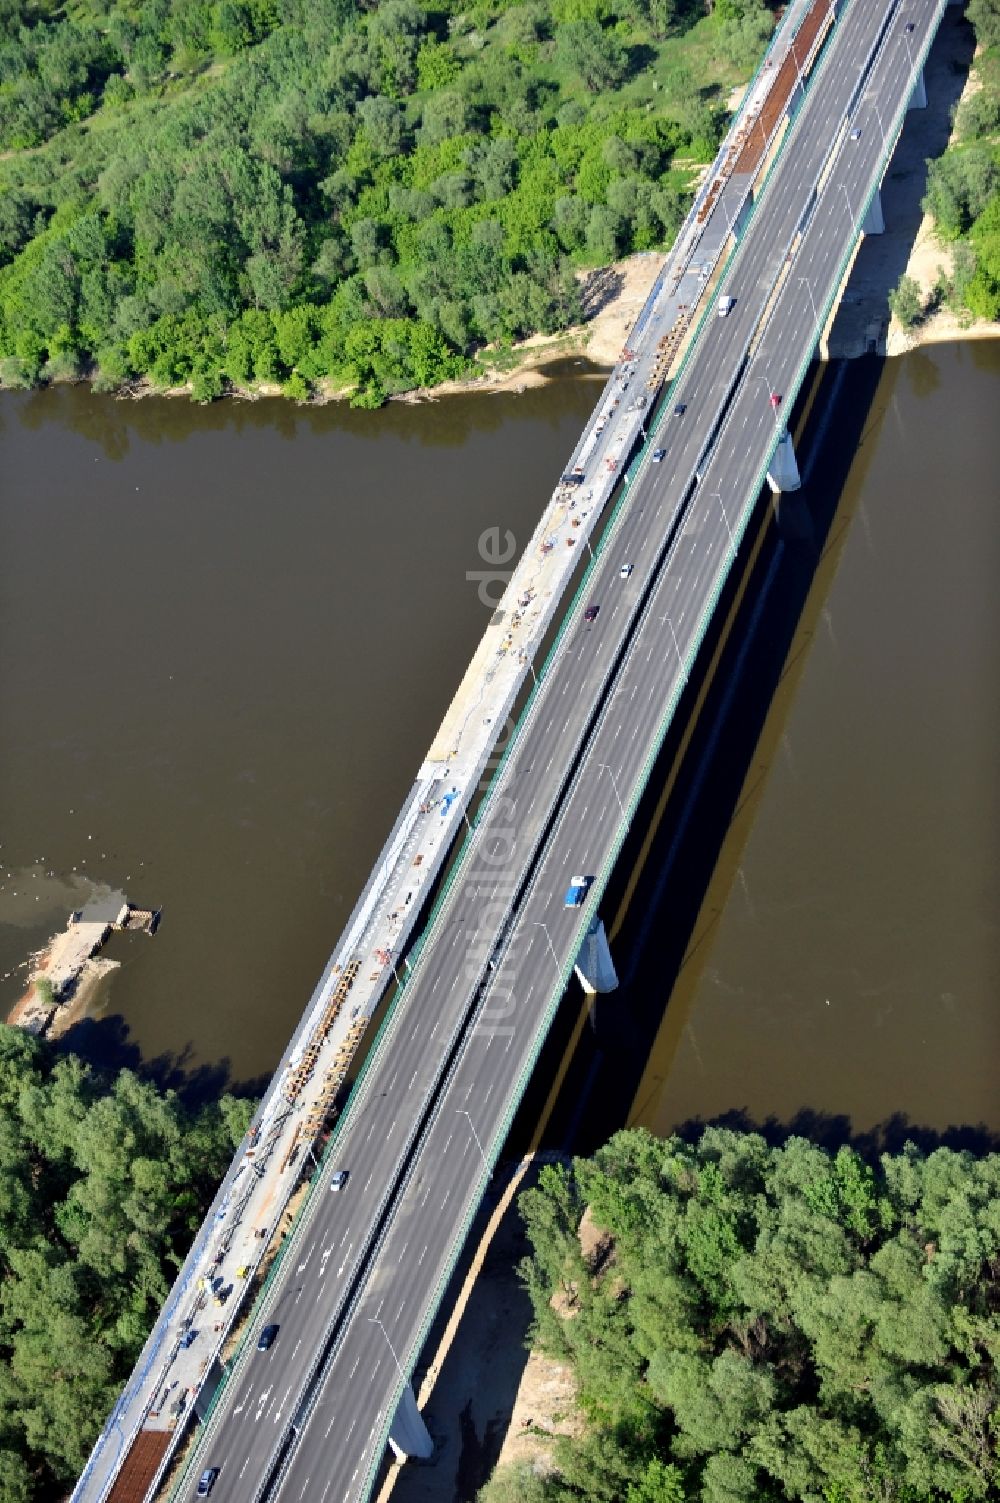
(229, 635)
(843, 972)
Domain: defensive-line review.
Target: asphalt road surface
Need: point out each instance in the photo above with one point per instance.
(392, 1292)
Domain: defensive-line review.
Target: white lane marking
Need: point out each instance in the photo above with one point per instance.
(343, 1265)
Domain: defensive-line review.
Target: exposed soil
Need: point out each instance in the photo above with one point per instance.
(484, 1399)
(612, 299)
(909, 244)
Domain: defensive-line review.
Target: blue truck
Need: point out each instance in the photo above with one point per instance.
(577, 891)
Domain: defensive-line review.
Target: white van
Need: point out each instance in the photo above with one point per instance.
(725, 304)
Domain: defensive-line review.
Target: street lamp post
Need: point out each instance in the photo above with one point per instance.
(461, 1112)
(676, 643)
(798, 70)
(375, 1320)
(812, 300)
(725, 518)
(909, 50)
(614, 784)
(548, 938)
(847, 200)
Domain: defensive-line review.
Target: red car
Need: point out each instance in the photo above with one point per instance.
(591, 613)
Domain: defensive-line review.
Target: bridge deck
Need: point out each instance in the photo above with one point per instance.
(267, 1167)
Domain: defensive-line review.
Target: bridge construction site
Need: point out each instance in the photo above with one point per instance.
(807, 91)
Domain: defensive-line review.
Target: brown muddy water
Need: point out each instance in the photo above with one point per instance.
(843, 971)
(229, 635)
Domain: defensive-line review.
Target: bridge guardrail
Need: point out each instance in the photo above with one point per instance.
(526, 716)
(600, 883)
(634, 471)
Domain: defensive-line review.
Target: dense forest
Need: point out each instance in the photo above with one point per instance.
(103, 1183)
(755, 1325)
(963, 191)
(223, 192)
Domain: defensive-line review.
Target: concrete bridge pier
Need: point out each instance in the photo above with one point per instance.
(408, 1435)
(784, 472)
(918, 99)
(874, 222)
(594, 965)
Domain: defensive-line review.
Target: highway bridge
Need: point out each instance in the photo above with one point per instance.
(365, 1268)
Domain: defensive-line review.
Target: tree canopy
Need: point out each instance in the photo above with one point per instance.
(103, 1184)
(209, 192)
(761, 1324)
(963, 185)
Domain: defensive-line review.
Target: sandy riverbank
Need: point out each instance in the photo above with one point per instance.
(30, 1011)
(909, 244)
(612, 299)
(485, 1398)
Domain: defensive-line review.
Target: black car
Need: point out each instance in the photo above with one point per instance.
(680, 409)
(909, 26)
(266, 1338)
(207, 1481)
(591, 613)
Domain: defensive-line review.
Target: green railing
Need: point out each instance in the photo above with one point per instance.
(497, 1138)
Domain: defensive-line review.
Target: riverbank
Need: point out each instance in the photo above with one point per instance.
(613, 297)
(909, 245)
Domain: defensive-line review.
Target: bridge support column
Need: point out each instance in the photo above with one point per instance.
(409, 1435)
(594, 965)
(918, 99)
(873, 222)
(784, 472)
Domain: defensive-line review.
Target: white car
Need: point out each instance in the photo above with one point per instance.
(625, 571)
(339, 1179)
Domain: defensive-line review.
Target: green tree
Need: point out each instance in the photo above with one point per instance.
(103, 1182)
(595, 55)
(985, 17)
(759, 1323)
